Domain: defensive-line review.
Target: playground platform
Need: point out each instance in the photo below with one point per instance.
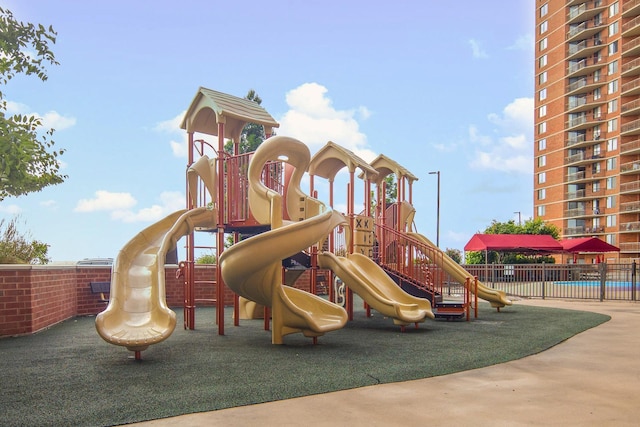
(591, 379)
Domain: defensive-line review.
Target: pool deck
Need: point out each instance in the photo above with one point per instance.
(591, 379)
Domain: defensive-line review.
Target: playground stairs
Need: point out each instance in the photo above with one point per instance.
(449, 310)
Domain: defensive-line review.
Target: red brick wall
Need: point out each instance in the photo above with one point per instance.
(35, 297)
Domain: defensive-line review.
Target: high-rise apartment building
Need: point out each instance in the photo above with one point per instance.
(587, 120)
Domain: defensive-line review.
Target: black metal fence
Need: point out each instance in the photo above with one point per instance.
(577, 281)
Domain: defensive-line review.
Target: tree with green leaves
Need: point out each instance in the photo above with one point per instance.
(28, 162)
(252, 134)
(530, 226)
(18, 248)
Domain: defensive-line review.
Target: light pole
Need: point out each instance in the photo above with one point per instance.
(437, 210)
(519, 218)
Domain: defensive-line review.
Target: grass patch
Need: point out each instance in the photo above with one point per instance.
(67, 375)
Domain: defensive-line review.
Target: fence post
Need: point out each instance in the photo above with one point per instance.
(493, 275)
(543, 280)
(633, 281)
(603, 279)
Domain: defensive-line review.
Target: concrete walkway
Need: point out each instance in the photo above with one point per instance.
(591, 379)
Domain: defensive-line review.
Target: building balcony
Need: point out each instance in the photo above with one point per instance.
(584, 121)
(584, 85)
(583, 103)
(630, 8)
(583, 140)
(585, 30)
(631, 87)
(632, 187)
(629, 207)
(630, 108)
(630, 68)
(583, 231)
(630, 168)
(583, 49)
(631, 28)
(584, 158)
(584, 177)
(629, 227)
(585, 11)
(583, 195)
(630, 147)
(631, 48)
(631, 128)
(629, 247)
(584, 67)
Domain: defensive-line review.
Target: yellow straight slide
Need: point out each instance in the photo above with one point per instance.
(364, 277)
(137, 315)
(496, 298)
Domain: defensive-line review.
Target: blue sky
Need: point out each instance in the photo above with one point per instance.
(433, 85)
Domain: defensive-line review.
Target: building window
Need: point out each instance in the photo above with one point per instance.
(612, 106)
(611, 183)
(612, 125)
(597, 93)
(612, 144)
(544, 10)
(613, 9)
(613, 86)
(613, 48)
(542, 194)
(542, 78)
(542, 177)
(613, 29)
(613, 67)
(542, 111)
(543, 94)
(611, 165)
(611, 202)
(596, 150)
(544, 27)
(542, 144)
(611, 220)
(542, 161)
(611, 239)
(542, 61)
(595, 168)
(595, 187)
(542, 127)
(541, 210)
(543, 44)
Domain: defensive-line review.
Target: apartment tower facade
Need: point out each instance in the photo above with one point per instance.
(587, 121)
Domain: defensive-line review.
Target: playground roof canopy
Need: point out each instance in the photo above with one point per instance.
(587, 245)
(210, 107)
(385, 166)
(331, 158)
(523, 243)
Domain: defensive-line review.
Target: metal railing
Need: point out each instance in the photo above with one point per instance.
(602, 281)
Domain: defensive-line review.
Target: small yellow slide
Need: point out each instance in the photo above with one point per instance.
(137, 315)
(496, 298)
(364, 277)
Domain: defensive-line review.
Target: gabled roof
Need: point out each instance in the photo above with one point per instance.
(588, 245)
(331, 158)
(210, 107)
(524, 243)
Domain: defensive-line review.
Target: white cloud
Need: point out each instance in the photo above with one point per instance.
(50, 120)
(120, 204)
(314, 120)
(106, 201)
(171, 125)
(180, 149)
(476, 49)
(50, 204)
(10, 209)
(510, 149)
(170, 201)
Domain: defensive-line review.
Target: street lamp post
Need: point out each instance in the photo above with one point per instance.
(519, 217)
(437, 209)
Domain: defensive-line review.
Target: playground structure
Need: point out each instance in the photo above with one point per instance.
(256, 196)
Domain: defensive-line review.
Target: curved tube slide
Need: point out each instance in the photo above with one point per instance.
(495, 297)
(253, 269)
(137, 315)
(364, 277)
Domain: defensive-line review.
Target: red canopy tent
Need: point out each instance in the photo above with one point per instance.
(591, 245)
(587, 244)
(523, 243)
